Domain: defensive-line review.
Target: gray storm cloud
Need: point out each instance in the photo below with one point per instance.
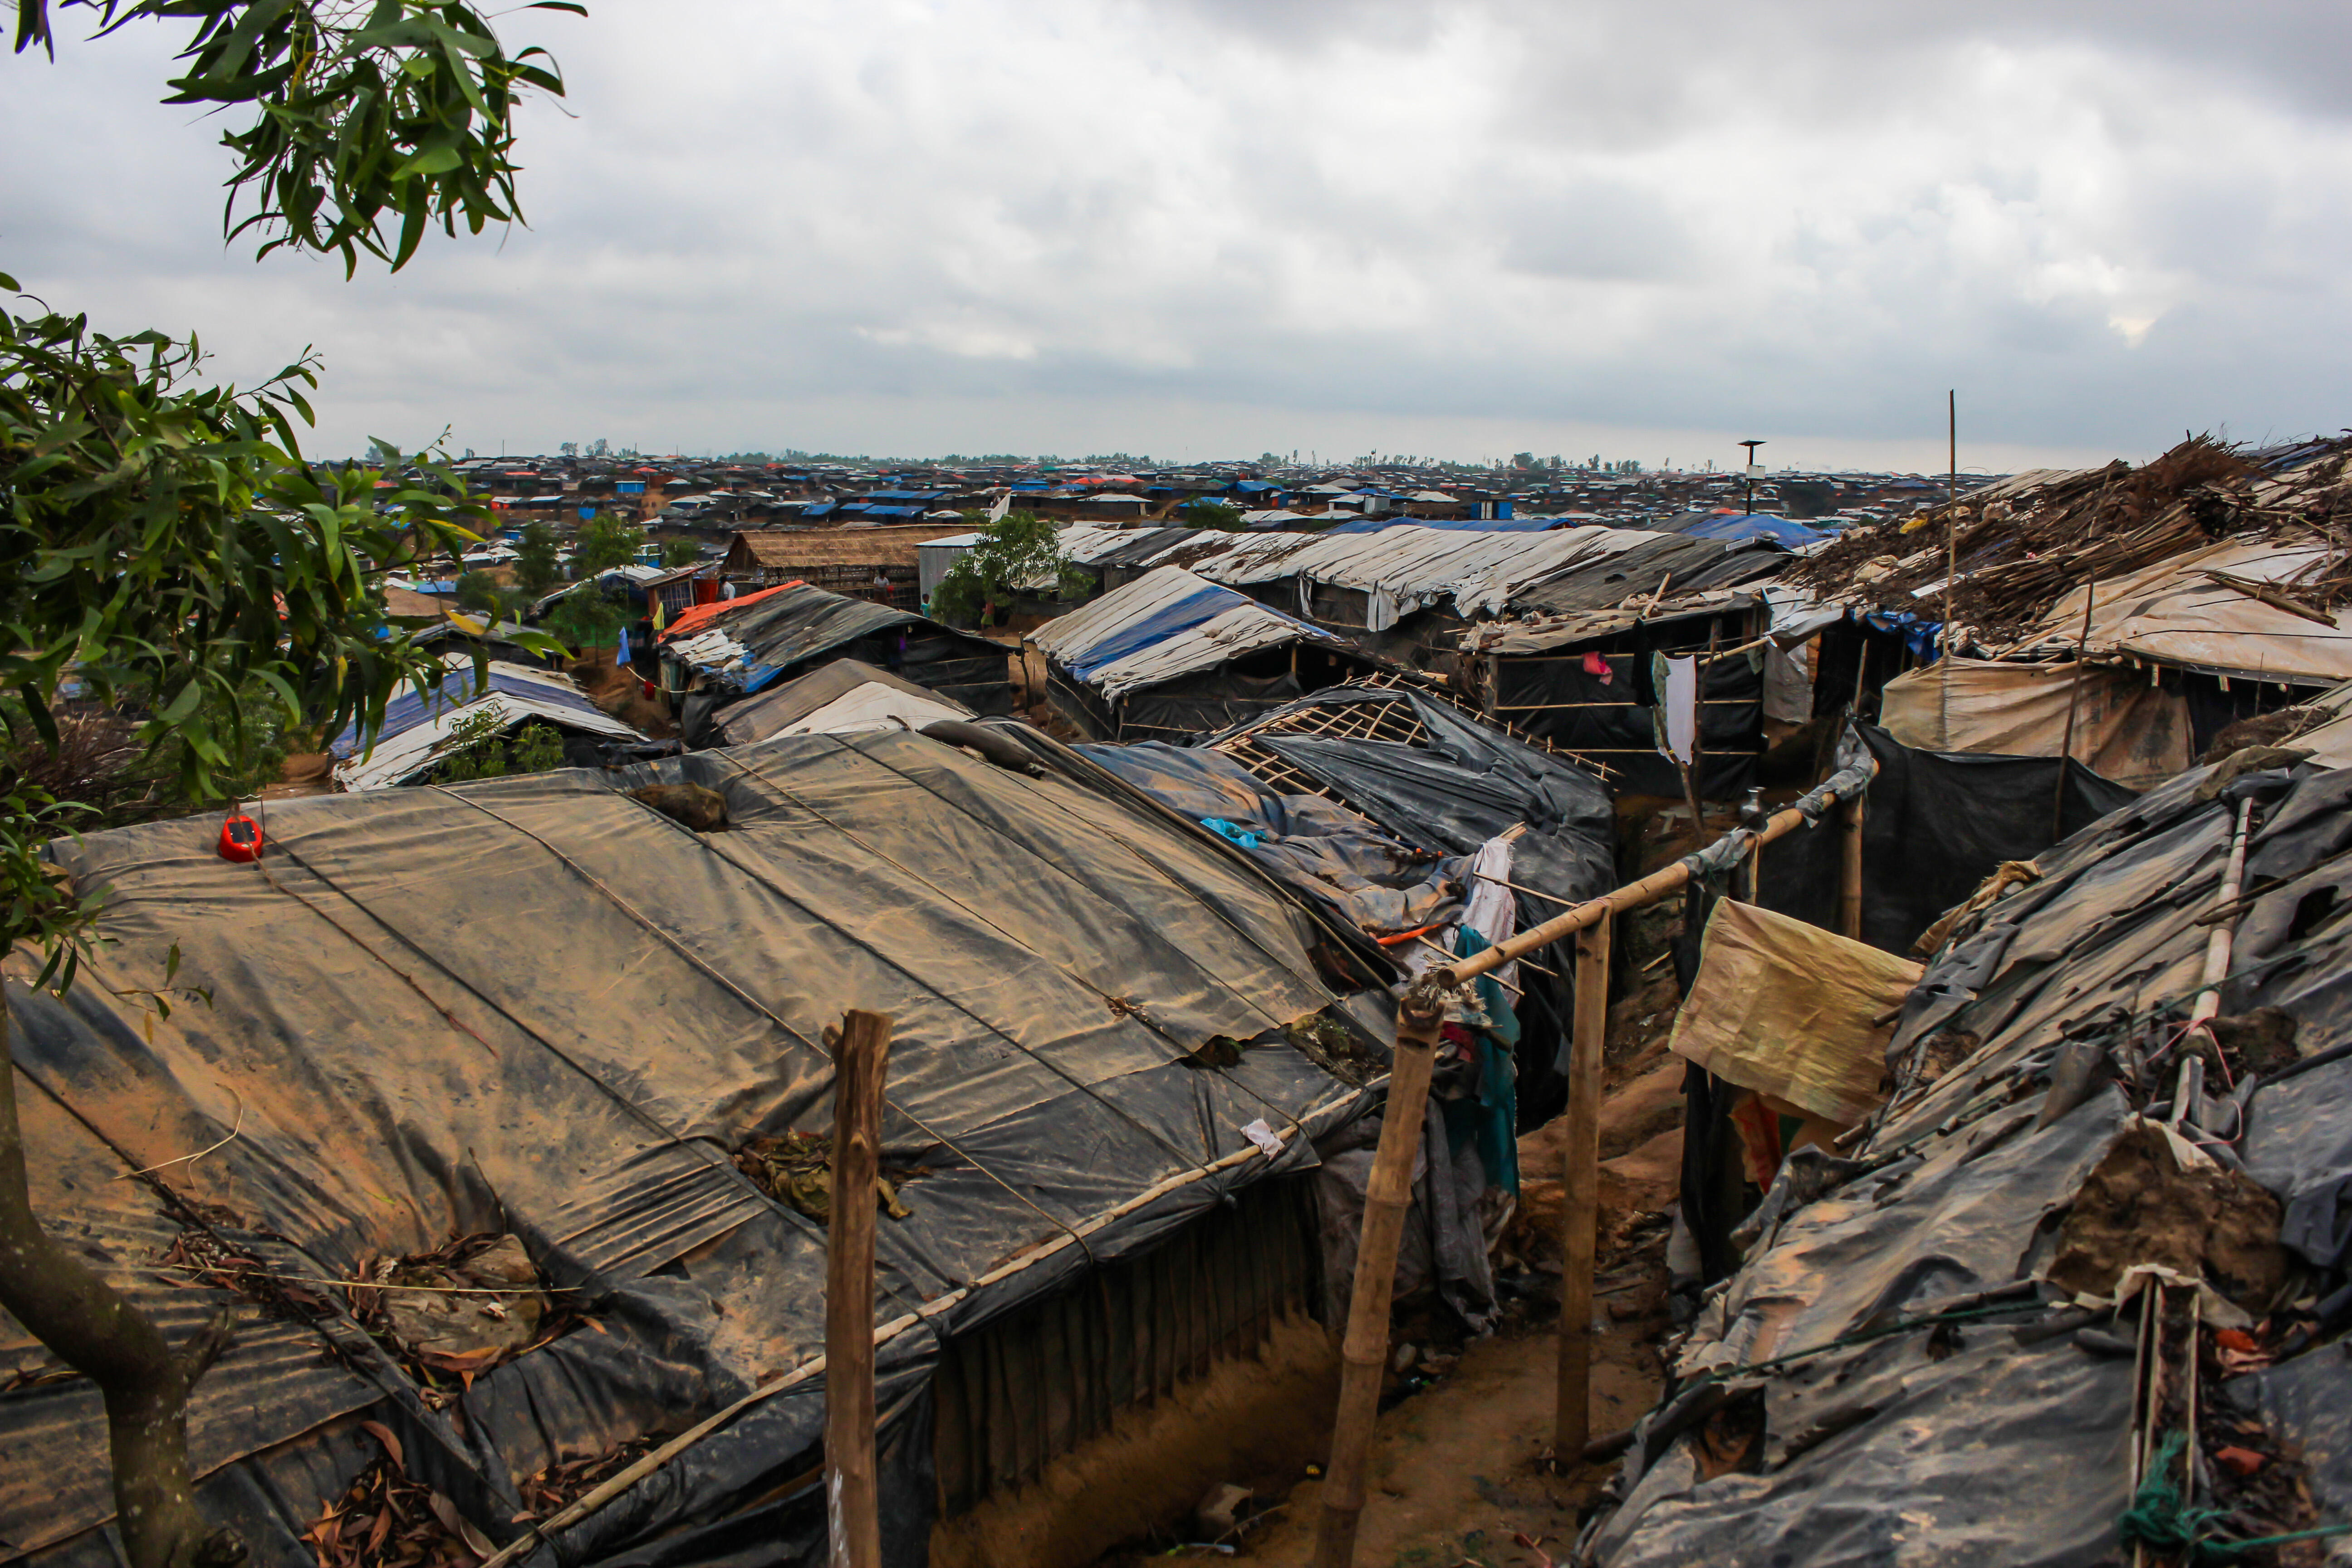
(1202, 225)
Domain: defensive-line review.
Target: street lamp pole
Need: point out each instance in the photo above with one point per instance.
(1751, 445)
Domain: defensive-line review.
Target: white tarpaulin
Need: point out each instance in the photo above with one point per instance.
(1677, 682)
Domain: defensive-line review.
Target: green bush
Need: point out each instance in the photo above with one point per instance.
(1019, 553)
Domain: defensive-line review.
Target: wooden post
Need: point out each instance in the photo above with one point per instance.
(853, 1521)
(1850, 866)
(1364, 1354)
(1580, 1188)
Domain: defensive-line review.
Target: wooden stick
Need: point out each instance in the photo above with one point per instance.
(1850, 816)
(852, 1487)
(1364, 1354)
(1580, 1181)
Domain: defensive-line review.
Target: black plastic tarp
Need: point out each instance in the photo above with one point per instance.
(537, 1005)
(1556, 697)
(1937, 824)
(1971, 1441)
(1369, 878)
(785, 631)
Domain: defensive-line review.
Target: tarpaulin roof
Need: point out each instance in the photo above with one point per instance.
(537, 1006)
(1531, 524)
(1165, 624)
(2175, 613)
(1999, 1445)
(416, 730)
(1415, 566)
(1676, 564)
(846, 696)
(792, 625)
(1753, 525)
(697, 618)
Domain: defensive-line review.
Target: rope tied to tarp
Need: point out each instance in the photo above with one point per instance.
(2161, 1518)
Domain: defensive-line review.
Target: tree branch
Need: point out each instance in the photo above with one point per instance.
(66, 1305)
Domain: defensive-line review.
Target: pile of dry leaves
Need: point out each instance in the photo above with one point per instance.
(796, 1169)
(385, 1519)
(471, 1304)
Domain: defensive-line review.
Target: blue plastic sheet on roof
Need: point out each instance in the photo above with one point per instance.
(1205, 604)
(1918, 636)
(407, 711)
(1755, 525)
(823, 509)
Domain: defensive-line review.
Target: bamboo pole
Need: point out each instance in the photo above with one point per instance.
(1364, 1354)
(1850, 818)
(1631, 896)
(852, 1488)
(1580, 1186)
(2073, 700)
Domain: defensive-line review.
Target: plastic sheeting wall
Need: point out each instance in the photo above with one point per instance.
(1935, 825)
(1039, 1382)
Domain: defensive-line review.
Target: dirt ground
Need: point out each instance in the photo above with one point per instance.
(1462, 1468)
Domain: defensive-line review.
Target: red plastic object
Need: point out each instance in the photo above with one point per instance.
(240, 839)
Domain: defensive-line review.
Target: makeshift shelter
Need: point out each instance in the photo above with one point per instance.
(744, 645)
(847, 696)
(1588, 682)
(2211, 574)
(878, 562)
(379, 1069)
(2078, 1283)
(1406, 591)
(1481, 813)
(1171, 655)
(420, 732)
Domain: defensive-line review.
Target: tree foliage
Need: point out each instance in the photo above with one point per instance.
(538, 567)
(605, 541)
(164, 549)
(166, 540)
(363, 114)
(585, 618)
(679, 552)
(1019, 553)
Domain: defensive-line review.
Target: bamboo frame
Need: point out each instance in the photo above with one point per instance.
(1581, 1184)
(1364, 1352)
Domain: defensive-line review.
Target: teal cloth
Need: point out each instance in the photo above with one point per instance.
(1492, 1117)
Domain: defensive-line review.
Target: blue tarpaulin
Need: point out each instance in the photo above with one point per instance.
(1208, 602)
(1755, 525)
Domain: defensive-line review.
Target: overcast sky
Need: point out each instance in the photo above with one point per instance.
(1203, 227)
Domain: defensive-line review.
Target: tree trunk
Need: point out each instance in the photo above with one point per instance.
(64, 1303)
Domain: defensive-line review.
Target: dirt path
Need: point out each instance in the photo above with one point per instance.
(1461, 1470)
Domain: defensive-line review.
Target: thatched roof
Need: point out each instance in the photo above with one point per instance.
(792, 549)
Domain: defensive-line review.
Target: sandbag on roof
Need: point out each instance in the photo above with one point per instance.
(1877, 1327)
(537, 1005)
(845, 696)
